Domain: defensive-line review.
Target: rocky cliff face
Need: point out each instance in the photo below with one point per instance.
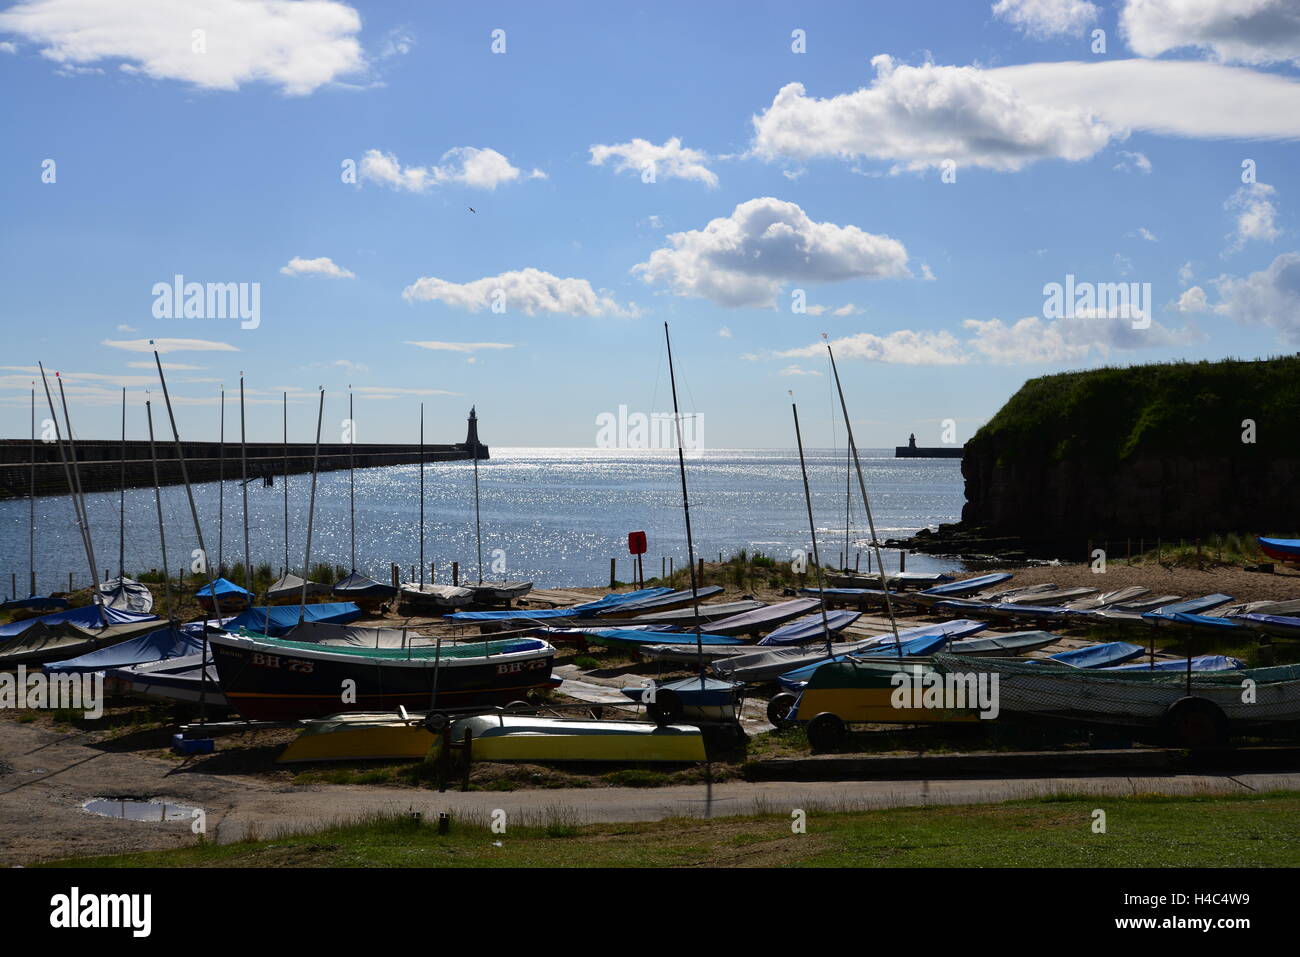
(1182, 450)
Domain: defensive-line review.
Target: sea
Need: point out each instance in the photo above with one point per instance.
(552, 516)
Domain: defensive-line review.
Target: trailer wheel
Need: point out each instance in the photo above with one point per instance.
(666, 708)
(826, 732)
(779, 708)
(436, 722)
(1195, 723)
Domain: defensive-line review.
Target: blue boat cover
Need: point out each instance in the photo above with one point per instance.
(968, 586)
(1192, 606)
(88, 616)
(809, 628)
(1098, 656)
(223, 587)
(157, 645)
(1206, 621)
(631, 637)
(910, 648)
(1202, 663)
(696, 692)
(611, 600)
(276, 620)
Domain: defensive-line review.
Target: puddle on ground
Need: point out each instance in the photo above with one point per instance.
(133, 809)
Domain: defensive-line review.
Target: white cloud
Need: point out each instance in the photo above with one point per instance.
(1034, 339)
(298, 47)
(1186, 272)
(1232, 31)
(1270, 297)
(7, 47)
(530, 290)
(466, 165)
(1133, 161)
(1178, 97)
(123, 327)
(1043, 19)
(322, 266)
(398, 42)
(1193, 300)
(669, 161)
(920, 116)
(461, 346)
(1147, 234)
(903, 347)
(164, 346)
(848, 309)
(743, 259)
(1256, 214)
(169, 367)
(797, 370)
(388, 391)
(347, 365)
(724, 332)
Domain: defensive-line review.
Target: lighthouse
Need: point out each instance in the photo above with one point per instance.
(472, 444)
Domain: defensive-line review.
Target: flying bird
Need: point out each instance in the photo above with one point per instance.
(471, 209)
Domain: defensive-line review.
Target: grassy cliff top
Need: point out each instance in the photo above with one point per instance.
(1112, 414)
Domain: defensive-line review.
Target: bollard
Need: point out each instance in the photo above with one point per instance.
(902, 561)
(612, 573)
(701, 574)
(444, 823)
(455, 573)
(433, 573)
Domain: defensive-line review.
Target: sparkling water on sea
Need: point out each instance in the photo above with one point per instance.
(556, 515)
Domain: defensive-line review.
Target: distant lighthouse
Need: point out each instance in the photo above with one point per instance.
(472, 444)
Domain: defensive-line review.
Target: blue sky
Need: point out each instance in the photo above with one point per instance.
(225, 165)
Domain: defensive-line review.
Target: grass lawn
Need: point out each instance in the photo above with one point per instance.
(1248, 831)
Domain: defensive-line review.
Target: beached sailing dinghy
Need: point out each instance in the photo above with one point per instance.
(278, 679)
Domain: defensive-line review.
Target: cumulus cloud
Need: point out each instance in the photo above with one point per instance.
(921, 116)
(1255, 214)
(1232, 31)
(164, 346)
(297, 47)
(1035, 339)
(1188, 98)
(466, 165)
(322, 266)
(743, 259)
(669, 161)
(797, 370)
(1192, 300)
(530, 290)
(903, 347)
(1270, 297)
(461, 346)
(1044, 19)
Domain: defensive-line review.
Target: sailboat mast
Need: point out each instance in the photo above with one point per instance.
(221, 485)
(81, 498)
(31, 502)
(848, 503)
(286, 486)
(421, 497)
(121, 502)
(243, 474)
(352, 485)
(686, 506)
(478, 521)
(198, 534)
(157, 501)
(311, 506)
(67, 473)
(812, 528)
(866, 502)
